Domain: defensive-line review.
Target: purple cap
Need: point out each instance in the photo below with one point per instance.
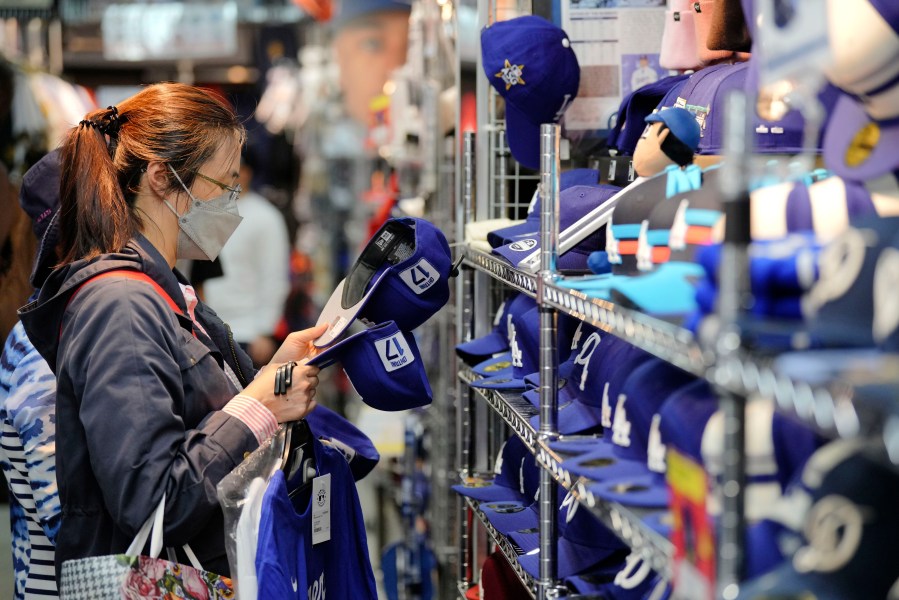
(856, 146)
(531, 225)
(401, 275)
(507, 483)
(531, 64)
(356, 447)
(384, 365)
(636, 107)
(704, 94)
(39, 198)
(574, 203)
(524, 345)
(482, 348)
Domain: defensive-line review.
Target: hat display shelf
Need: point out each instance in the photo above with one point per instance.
(836, 402)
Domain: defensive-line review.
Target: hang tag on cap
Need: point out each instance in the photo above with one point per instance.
(321, 509)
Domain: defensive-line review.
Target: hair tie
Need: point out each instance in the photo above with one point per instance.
(111, 123)
(87, 123)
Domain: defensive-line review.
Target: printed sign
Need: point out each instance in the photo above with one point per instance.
(394, 352)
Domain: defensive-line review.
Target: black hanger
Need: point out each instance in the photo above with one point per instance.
(298, 456)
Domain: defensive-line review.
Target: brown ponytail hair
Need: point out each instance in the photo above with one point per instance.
(172, 123)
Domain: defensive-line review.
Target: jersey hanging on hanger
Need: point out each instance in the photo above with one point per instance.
(313, 546)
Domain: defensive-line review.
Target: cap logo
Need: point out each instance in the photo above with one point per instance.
(833, 528)
(584, 356)
(634, 572)
(621, 428)
(606, 414)
(523, 245)
(420, 276)
(511, 74)
(394, 352)
(655, 449)
(862, 145)
(576, 338)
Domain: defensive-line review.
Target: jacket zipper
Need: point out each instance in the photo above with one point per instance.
(243, 380)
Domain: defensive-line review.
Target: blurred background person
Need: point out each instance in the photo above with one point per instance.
(251, 292)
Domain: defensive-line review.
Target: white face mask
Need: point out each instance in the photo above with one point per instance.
(207, 225)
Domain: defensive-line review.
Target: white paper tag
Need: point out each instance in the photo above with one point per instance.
(321, 509)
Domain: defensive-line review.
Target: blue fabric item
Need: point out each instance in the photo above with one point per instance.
(704, 94)
(574, 203)
(398, 554)
(682, 180)
(635, 580)
(599, 262)
(507, 483)
(498, 366)
(28, 460)
(666, 291)
(637, 106)
(684, 417)
(531, 225)
(480, 349)
(288, 565)
(647, 490)
(524, 336)
(531, 64)
(384, 365)
(135, 361)
(507, 516)
(357, 448)
(680, 122)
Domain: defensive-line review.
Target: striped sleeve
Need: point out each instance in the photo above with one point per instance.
(254, 415)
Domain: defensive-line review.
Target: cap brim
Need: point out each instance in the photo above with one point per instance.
(667, 291)
(571, 558)
(653, 118)
(523, 136)
(506, 522)
(495, 367)
(339, 318)
(482, 348)
(488, 493)
(644, 490)
(500, 382)
(847, 119)
(573, 416)
(602, 464)
(507, 235)
(518, 250)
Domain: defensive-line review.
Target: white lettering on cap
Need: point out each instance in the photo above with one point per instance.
(655, 449)
(394, 352)
(621, 427)
(523, 245)
(834, 529)
(634, 572)
(421, 276)
(586, 353)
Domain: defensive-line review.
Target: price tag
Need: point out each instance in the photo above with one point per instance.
(321, 509)
(692, 533)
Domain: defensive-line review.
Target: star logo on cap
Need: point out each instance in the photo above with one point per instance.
(511, 74)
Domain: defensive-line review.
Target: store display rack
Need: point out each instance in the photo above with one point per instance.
(506, 548)
(625, 522)
(834, 407)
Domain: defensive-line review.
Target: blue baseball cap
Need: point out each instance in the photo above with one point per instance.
(681, 122)
(531, 225)
(39, 198)
(384, 365)
(531, 64)
(635, 107)
(584, 542)
(497, 366)
(401, 275)
(507, 482)
(336, 431)
(574, 203)
(634, 580)
(497, 341)
(524, 344)
(636, 434)
(850, 529)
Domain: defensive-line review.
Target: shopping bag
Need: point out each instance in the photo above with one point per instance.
(132, 576)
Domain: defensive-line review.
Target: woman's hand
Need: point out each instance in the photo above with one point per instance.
(298, 346)
(299, 399)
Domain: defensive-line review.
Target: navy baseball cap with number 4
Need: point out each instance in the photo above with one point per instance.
(384, 365)
(402, 275)
(531, 64)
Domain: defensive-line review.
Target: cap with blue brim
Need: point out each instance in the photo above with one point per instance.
(384, 365)
(524, 346)
(335, 430)
(479, 349)
(402, 275)
(507, 481)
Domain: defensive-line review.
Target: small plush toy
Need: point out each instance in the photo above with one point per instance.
(672, 137)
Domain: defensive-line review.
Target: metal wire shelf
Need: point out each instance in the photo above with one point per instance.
(625, 522)
(836, 408)
(506, 548)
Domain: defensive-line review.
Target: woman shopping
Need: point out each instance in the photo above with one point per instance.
(154, 396)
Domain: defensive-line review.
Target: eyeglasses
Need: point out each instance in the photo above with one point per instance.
(235, 190)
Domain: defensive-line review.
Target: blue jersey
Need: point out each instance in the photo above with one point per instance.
(288, 565)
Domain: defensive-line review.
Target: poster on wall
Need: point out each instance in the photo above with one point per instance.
(617, 43)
